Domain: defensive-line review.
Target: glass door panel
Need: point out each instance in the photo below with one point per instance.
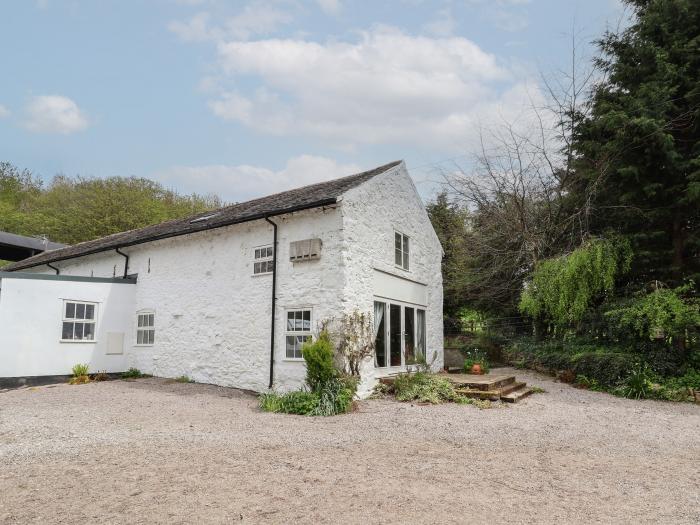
(395, 335)
(420, 335)
(380, 333)
(409, 343)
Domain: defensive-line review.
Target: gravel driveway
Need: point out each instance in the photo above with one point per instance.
(148, 451)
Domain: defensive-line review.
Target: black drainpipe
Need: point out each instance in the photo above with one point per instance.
(274, 293)
(126, 262)
(53, 268)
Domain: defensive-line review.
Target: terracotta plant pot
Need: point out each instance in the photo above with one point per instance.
(476, 369)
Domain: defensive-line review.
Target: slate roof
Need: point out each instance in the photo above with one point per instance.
(312, 196)
(31, 243)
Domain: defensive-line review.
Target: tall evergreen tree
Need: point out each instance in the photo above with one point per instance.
(638, 149)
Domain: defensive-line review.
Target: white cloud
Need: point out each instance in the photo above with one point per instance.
(386, 87)
(332, 7)
(54, 114)
(243, 182)
(257, 18)
(4, 112)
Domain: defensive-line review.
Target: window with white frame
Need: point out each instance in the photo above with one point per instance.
(401, 250)
(145, 327)
(78, 321)
(298, 332)
(264, 262)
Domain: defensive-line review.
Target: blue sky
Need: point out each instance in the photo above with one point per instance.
(244, 98)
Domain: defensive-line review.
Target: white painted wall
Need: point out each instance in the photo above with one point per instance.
(31, 312)
(213, 315)
(372, 212)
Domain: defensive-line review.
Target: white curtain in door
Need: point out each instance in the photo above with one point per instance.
(420, 333)
(378, 316)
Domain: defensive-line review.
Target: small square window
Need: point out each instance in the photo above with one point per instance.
(264, 260)
(78, 321)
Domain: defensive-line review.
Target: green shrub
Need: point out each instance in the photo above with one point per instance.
(608, 365)
(638, 385)
(424, 388)
(80, 369)
(132, 373)
(300, 402)
(80, 375)
(184, 379)
(335, 397)
(318, 355)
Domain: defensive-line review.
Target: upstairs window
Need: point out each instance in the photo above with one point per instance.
(298, 331)
(264, 262)
(78, 321)
(145, 328)
(401, 250)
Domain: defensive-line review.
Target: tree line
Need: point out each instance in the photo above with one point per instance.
(583, 225)
(75, 209)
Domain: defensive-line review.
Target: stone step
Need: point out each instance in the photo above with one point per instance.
(516, 385)
(492, 395)
(516, 395)
(480, 382)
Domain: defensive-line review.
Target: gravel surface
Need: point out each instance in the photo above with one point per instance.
(149, 451)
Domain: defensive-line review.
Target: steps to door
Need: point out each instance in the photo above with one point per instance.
(493, 387)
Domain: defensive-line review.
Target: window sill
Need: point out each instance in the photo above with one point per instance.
(294, 359)
(261, 274)
(142, 345)
(77, 341)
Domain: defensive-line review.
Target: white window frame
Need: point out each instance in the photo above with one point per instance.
(263, 255)
(145, 329)
(402, 323)
(403, 247)
(76, 320)
(304, 332)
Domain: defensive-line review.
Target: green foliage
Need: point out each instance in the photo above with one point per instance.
(563, 288)
(605, 364)
(75, 209)
(318, 356)
(475, 357)
(184, 379)
(584, 381)
(537, 390)
(638, 146)
(424, 388)
(299, 402)
(335, 397)
(638, 384)
(81, 369)
(132, 373)
(661, 313)
(332, 398)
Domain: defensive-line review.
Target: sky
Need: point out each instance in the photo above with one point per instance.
(246, 98)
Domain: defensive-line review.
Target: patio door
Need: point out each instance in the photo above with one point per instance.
(399, 331)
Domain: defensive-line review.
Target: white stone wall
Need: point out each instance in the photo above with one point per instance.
(372, 212)
(212, 314)
(31, 312)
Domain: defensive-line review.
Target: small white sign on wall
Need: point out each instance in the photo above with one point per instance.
(115, 343)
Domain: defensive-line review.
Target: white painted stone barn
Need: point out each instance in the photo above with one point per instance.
(196, 296)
